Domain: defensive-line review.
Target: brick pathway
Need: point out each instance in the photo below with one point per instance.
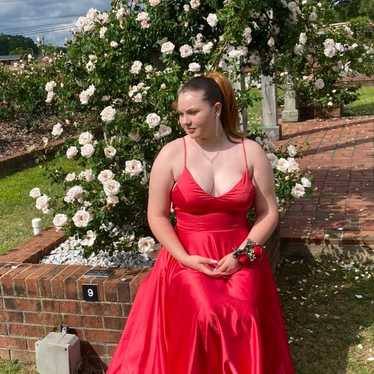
(341, 159)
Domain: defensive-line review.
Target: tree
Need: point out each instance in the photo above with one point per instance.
(11, 43)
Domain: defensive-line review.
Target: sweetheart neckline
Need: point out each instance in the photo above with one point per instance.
(207, 193)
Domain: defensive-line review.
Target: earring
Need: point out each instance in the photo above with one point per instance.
(218, 123)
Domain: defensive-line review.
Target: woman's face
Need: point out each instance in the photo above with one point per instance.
(196, 115)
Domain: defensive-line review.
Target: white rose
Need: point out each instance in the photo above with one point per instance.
(298, 190)
(110, 151)
(71, 152)
(87, 150)
(49, 86)
(138, 98)
(306, 182)
(108, 114)
(57, 129)
(42, 202)
(112, 200)
(186, 8)
(167, 48)
(105, 175)
(207, 47)
(87, 175)
(90, 66)
(121, 13)
(89, 239)
(185, 50)
(247, 35)
(92, 58)
(212, 19)
(35, 193)
(195, 4)
(74, 193)
(85, 138)
(143, 18)
(111, 187)
(319, 84)
(162, 131)
(50, 96)
(292, 165)
(154, 2)
(153, 120)
(292, 150)
(102, 32)
(302, 38)
(133, 167)
(194, 67)
(148, 68)
(330, 52)
(136, 67)
(282, 165)
(113, 44)
(81, 218)
(70, 177)
(271, 42)
(298, 49)
(85, 95)
(146, 245)
(60, 220)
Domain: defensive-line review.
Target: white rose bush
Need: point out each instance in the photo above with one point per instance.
(142, 55)
(323, 54)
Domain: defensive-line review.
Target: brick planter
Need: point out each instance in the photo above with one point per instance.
(36, 299)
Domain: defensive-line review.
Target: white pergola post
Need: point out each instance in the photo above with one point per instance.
(269, 107)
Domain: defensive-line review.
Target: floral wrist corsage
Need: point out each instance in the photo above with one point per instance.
(248, 253)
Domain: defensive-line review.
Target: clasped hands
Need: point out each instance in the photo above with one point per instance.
(226, 266)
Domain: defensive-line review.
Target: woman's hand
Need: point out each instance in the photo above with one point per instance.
(227, 265)
(202, 264)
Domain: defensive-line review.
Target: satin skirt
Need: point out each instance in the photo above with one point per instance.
(185, 322)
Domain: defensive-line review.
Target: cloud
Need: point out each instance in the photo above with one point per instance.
(50, 19)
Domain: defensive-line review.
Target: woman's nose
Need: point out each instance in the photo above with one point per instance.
(184, 120)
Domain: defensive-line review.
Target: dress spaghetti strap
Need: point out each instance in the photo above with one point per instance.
(245, 154)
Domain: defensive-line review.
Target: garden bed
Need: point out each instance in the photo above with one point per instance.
(37, 298)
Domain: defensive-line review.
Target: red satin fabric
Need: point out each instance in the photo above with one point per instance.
(185, 322)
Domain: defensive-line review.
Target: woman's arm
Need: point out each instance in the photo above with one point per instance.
(266, 208)
(160, 183)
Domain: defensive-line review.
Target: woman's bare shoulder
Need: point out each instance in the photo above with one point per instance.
(253, 148)
(172, 148)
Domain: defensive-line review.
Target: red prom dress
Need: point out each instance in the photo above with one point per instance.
(185, 322)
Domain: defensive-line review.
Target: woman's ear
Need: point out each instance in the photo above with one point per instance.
(218, 108)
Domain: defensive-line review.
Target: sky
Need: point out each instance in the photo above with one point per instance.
(51, 19)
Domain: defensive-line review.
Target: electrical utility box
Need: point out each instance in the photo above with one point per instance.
(58, 353)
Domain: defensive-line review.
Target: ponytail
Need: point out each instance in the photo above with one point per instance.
(230, 112)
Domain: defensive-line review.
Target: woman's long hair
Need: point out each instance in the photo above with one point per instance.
(217, 88)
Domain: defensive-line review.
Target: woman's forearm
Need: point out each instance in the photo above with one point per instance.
(263, 227)
(164, 232)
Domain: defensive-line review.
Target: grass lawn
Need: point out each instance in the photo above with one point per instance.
(364, 105)
(17, 208)
(327, 309)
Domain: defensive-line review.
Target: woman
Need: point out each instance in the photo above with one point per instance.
(209, 304)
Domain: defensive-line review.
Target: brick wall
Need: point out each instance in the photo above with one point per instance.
(36, 298)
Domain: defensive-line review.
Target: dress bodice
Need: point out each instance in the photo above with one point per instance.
(197, 209)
